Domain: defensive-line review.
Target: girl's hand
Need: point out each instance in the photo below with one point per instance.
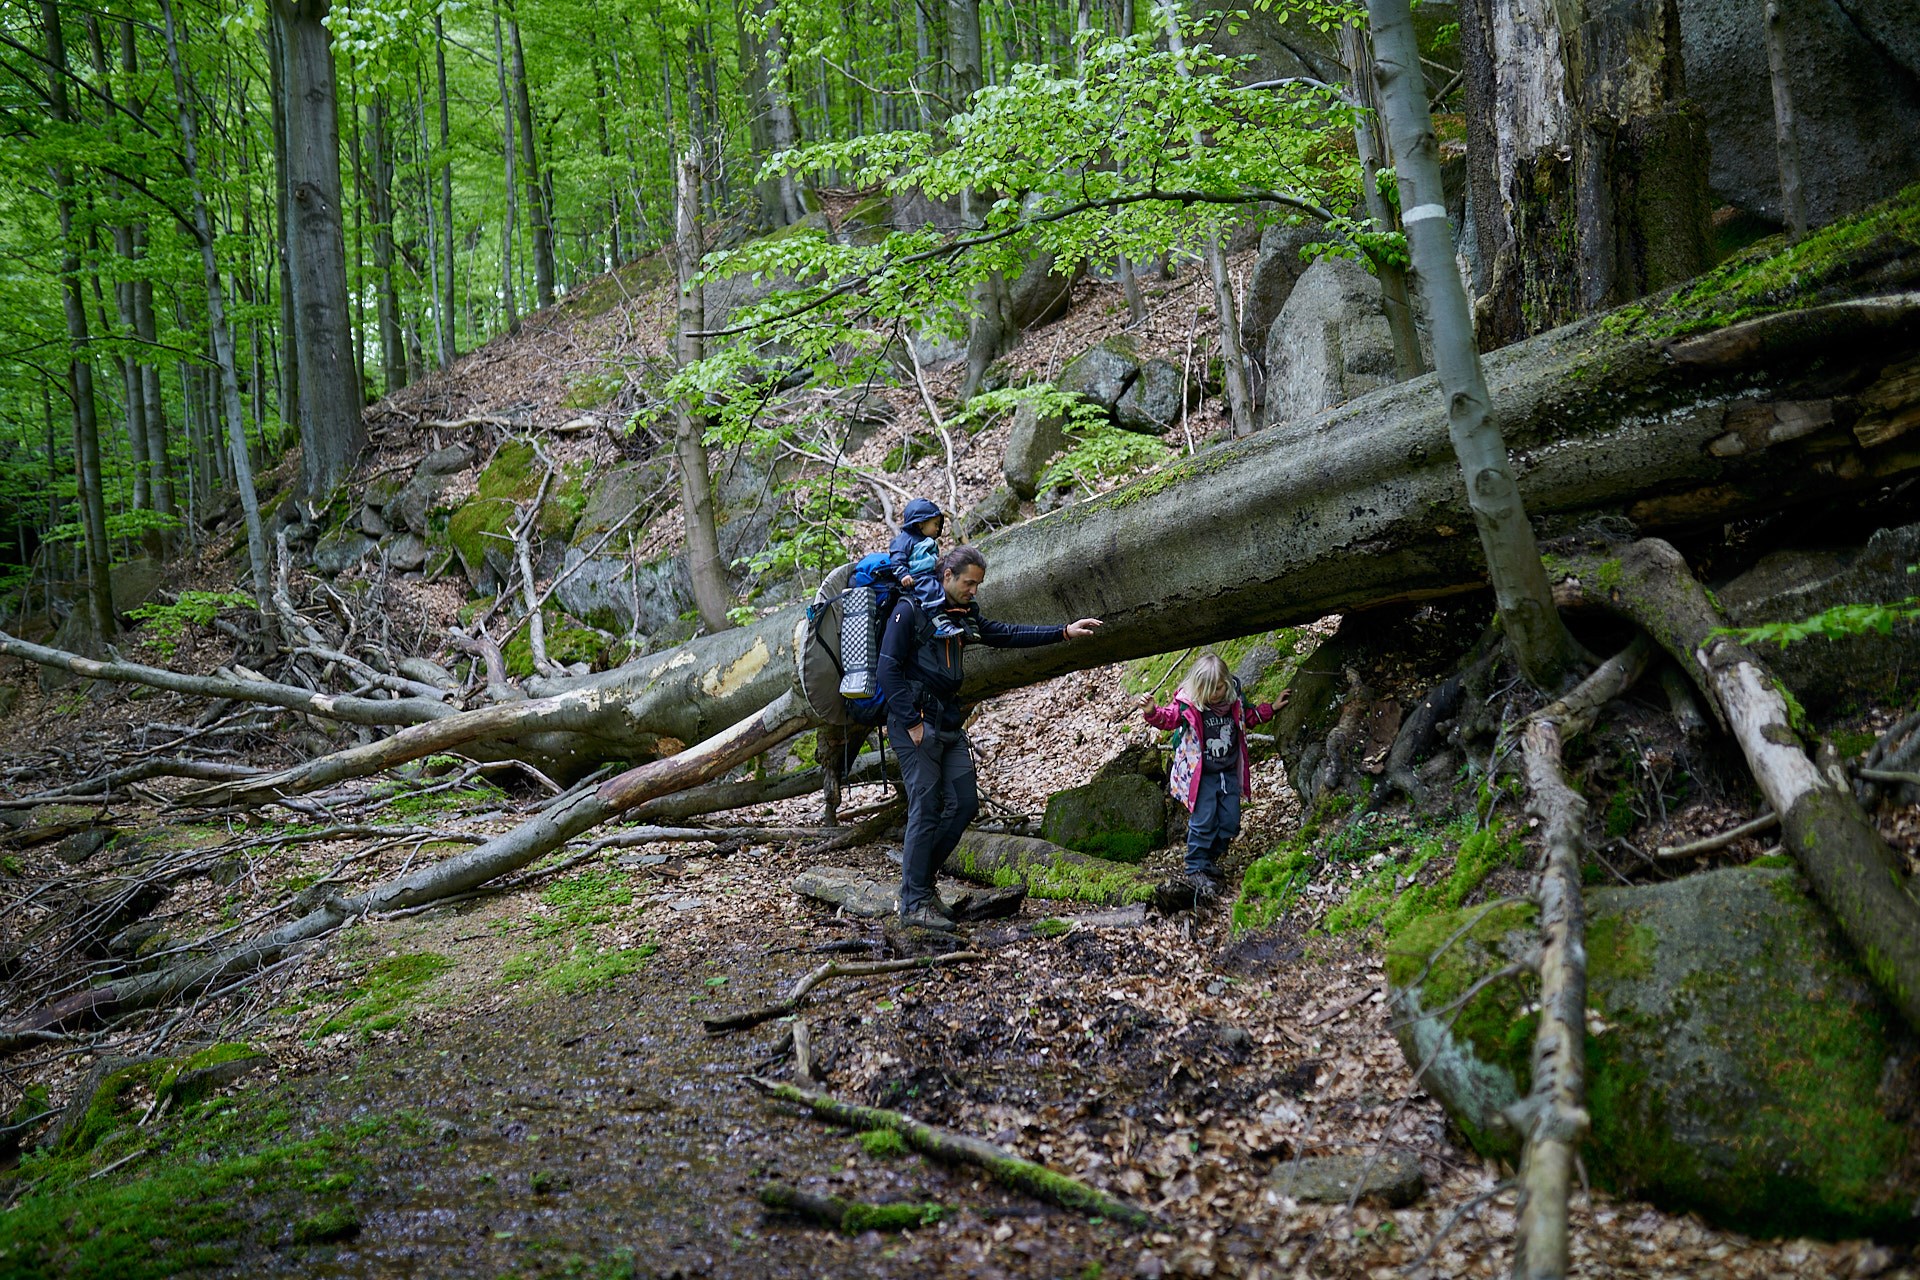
(1144, 702)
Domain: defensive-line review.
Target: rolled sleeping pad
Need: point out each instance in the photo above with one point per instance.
(859, 644)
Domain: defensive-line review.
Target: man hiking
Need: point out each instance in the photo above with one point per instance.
(921, 672)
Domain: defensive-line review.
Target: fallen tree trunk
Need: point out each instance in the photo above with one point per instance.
(1360, 506)
(1854, 874)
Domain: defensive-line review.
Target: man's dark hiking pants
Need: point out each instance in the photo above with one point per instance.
(941, 801)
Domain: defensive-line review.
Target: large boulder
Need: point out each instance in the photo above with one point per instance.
(1152, 402)
(1101, 374)
(1276, 270)
(1329, 344)
(339, 550)
(1842, 671)
(408, 508)
(1740, 1065)
(1036, 438)
(1119, 817)
(1040, 293)
(1854, 69)
(616, 596)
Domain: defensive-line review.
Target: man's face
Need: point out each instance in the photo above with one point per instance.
(964, 584)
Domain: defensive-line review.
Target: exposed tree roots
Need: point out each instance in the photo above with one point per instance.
(1853, 872)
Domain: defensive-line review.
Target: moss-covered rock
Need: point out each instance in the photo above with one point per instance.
(481, 533)
(1739, 1062)
(1117, 817)
(568, 641)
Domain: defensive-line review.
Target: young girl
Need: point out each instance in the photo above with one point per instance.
(1211, 772)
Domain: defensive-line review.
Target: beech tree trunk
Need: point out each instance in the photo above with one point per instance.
(86, 424)
(1370, 144)
(393, 352)
(704, 565)
(537, 217)
(1546, 652)
(332, 432)
(443, 161)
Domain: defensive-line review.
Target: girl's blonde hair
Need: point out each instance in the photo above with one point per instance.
(1206, 683)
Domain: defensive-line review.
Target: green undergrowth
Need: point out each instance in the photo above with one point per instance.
(1395, 871)
(584, 966)
(199, 1183)
(405, 799)
(1774, 276)
(380, 996)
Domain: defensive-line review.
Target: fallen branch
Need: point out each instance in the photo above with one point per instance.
(850, 1216)
(826, 973)
(500, 855)
(1721, 841)
(1552, 1119)
(1002, 1165)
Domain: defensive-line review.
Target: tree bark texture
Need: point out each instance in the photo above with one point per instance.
(507, 154)
(537, 213)
(1594, 190)
(709, 572)
(1546, 652)
(1370, 145)
(332, 432)
(1786, 123)
(1856, 877)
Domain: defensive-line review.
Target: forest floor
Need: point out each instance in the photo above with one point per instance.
(520, 1084)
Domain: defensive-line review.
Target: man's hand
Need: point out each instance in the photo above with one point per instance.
(917, 732)
(1083, 628)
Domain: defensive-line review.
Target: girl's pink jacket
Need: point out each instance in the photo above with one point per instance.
(1183, 780)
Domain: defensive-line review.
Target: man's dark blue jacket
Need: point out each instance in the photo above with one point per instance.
(921, 673)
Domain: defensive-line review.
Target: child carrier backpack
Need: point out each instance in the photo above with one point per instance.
(838, 652)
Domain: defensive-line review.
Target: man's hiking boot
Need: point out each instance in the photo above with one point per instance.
(924, 917)
(1205, 887)
(941, 907)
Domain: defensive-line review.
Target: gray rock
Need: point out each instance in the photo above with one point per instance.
(1740, 1064)
(82, 845)
(609, 593)
(1275, 272)
(408, 508)
(1101, 374)
(406, 553)
(1390, 1178)
(445, 462)
(1033, 442)
(340, 550)
(1119, 817)
(1849, 671)
(1040, 293)
(372, 524)
(1854, 68)
(1152, 404)
(1329, 343)
(614, 496)
(998, 508)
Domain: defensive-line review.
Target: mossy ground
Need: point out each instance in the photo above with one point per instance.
(1395, 871)
(203, 1181)
(379, 998)
(575, 908)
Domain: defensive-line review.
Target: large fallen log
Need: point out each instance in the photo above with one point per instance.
(1360, 506)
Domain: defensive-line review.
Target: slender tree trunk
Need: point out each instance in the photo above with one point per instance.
(357, 280)
(538, 216)
(86, 425)
(1371, 148)
(1233, 360)
(708, 571)
(443, 163)
(1786, 124)
(283, 229)
(990, 329)
(332, 432)
(506, 226)
(217, 317)
(393, 355)
(1534, 628)
(782, 128)
(153, 413)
